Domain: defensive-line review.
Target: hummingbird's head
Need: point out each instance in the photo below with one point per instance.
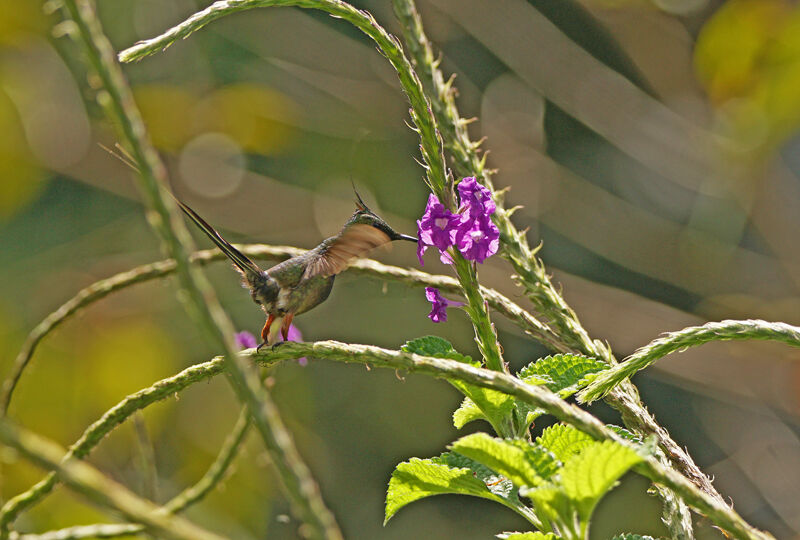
(363, 215)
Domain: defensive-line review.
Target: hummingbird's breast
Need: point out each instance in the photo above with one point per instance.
(308, 294)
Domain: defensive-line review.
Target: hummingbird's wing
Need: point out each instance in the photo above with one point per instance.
(353, 242)
(249, 269)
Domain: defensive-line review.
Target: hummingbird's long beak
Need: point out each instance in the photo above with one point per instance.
(405, 237)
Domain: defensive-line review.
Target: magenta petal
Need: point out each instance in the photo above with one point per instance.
(246, 340)
(476, 198)
(294, 334)
(436, 228)
(440, 303)
(433, 294)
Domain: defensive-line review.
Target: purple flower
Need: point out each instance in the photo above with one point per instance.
(471, 231)
(440, 303)
(478, 238)
(437, 228)
(245, 340)
(477, 199)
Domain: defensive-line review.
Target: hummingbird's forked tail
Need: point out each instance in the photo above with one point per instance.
(252, 273)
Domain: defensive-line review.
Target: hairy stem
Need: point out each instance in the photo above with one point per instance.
(96, 487)
(531, 274)
(683, 339)
(431, 144)
(539, 396)
(103, 426)
(366, 267)
(116, 97)
(177, 504)
(718, 512)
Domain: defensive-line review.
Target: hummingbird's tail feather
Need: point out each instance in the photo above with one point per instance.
(250, 269)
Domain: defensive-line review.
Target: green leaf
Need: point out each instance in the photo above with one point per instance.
(486, 404)
(561, 373)
(449, 474)
(527, 536)
(564, 374)
(495, 406)
(551, 505)
(521, 462)
(631, 536)
(466, 413)
(436, 347)
(499, 485)
(588, 475)
(564, 441)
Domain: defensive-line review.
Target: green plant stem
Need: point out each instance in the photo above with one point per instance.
(513, 244)
(366, 267)
(105, 424)
(216, 471)
(430, 141)
(431, 144)
(478, 309)
(96, 487)
(301, 489)
(99, 530)
(531, 273)
(683, 339)
(719, 513)
(177, 504)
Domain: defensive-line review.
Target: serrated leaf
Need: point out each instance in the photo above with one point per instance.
(519, 461)
(564, 441)
(550, 504)
(631, 536)
(448, 474)
(537, 535)
(587, 476)
(436, 347)
(467, 412)
(561, 373)
(495, 406)
(499, 485)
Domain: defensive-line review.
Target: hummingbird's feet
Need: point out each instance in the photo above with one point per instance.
(276, 345)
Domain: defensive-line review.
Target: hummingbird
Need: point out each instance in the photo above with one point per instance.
(301, 283)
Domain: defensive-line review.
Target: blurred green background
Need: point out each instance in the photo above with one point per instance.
(653, 144)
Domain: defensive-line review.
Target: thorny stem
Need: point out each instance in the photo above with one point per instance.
(538, 396)
(683, 339)
(531, 274)
(430, 140)
(367, 267)
(178, 504)
(98, 488)
(112, 418)
(116, 98)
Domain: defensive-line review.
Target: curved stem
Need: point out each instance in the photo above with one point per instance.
(178, 504)
(218, 468)
(98, 488)
(539, 396)
(117, 100)
(531, 273)
(431, 144)
(683, 339)
(367, 267)
(103, 426)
